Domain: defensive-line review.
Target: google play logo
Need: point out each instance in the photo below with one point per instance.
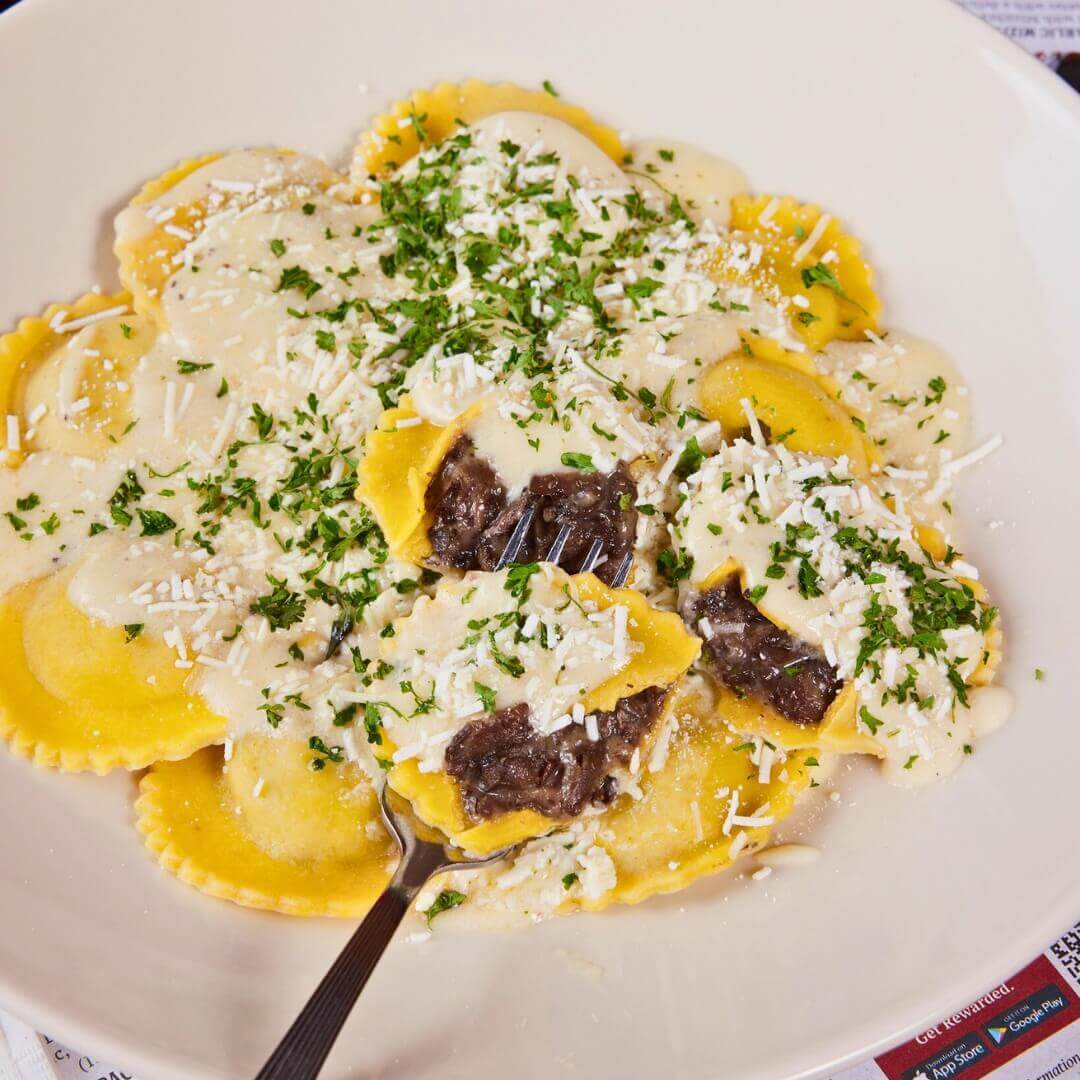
(997, 1033)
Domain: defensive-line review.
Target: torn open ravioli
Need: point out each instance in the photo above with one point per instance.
(64, 375)
(709, 797)
(750, 658)
(77, 694)
(471, 667)
(394, 137)
(798, 253)
(266, 830)
(826, 559)
(439, 501)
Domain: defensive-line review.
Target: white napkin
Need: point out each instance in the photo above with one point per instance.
(22, 1053)
(26, 1055)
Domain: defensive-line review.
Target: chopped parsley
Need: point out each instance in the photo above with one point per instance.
(373, 724)
(154, 522)
(690, 459)
(572, 460)
(868, 718)
(820, 274)
(281, 606)
(335, 754)
(189, 367)
(447, 899)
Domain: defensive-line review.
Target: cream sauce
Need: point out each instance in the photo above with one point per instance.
(670, 360)
(452, 650)
(246, 341)
(704, 183)
(915, 401)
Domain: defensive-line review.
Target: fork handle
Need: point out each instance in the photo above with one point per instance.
(301, 1053)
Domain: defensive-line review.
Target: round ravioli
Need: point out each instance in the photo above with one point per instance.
(267, 830)
(167, 216)
(78, 694)
(429, 116)
(149, 259)
(784, 248)
(800, 407)
(64, 376)
(708, 804)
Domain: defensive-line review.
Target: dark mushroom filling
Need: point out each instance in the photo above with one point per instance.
(756, 658)
(473, 516)
(503, 763)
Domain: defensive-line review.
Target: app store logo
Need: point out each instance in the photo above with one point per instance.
(951, 1060)
(1026, 1014)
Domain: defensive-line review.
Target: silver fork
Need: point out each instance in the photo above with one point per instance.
(301, 1053)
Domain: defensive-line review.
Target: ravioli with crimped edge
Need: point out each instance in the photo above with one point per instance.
(802, 257)
(255, 514)
(106, 697)
(260, 828)
(531, 697)
(64, 376)
(428, 117)
(823, 617)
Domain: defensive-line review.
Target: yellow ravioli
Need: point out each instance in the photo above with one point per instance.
(149, 259)
(933, 542)
(76, 695)
(266, 831)
(676, 832)
(146, 264)
(436, 800)
(803, 253)
(394, 473)
(393, 138)
(838, 731)
(796, 403)
(44, 370)
(667, 651)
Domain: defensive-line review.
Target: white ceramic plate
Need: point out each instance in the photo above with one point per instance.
(958, 160)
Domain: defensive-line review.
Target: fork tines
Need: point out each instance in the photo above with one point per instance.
(555, 551)
(517, 539)
(619, 580)
(593, 557)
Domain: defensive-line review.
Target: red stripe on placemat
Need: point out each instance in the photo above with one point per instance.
(967, 1030)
